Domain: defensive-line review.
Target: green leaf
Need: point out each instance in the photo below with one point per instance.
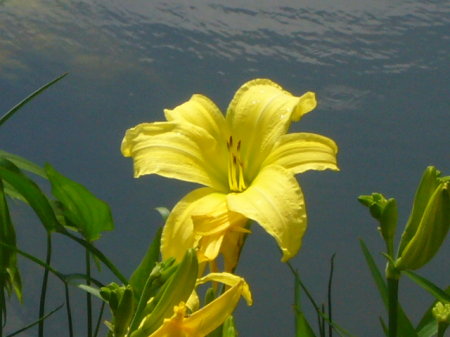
(140, 275)
(30, 192)
(23, 164)
(428, 326)
(86, 212)
(303, 329)
(13, 110)
(406, 329)
(29, 326)
(376, 274)
(9, 272)
(429, 286)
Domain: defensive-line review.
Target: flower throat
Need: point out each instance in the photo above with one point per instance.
(236, 179)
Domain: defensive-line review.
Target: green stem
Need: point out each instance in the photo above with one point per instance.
(441, 329)
(392, 284)
(69, 310)
(98, 254)
(88, 295)
(44, 285)
(99, 320)
(330, 282)
(310, 298)
(3, 304)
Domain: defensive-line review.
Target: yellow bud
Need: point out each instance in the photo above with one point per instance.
(441, 312)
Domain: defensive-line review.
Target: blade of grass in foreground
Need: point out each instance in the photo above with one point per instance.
(35, 322)
(14, 109)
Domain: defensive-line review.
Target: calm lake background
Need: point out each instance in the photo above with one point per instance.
(382, 76)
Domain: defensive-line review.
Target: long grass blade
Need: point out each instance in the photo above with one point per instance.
(36, 322)
(17, 107)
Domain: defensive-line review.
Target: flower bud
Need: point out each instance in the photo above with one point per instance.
(441, 312)
(428, 224)
(385, 211)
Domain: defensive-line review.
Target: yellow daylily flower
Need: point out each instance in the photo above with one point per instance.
(203, 321)
(247, 162)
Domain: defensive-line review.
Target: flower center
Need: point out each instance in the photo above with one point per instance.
(236, 179)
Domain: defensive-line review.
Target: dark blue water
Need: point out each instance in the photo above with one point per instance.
(382, 75)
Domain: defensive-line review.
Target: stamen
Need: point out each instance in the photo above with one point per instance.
(236, 179)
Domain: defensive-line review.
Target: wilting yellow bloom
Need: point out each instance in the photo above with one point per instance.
(205, 320)
(247, 162)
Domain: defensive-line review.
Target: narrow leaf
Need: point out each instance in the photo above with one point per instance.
(36, 322)
(406, 329)
(376, 274)
(140, 275)
(429, 286)
(13, 110)
(428, 326)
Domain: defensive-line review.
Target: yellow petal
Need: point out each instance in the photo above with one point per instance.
(230, 280)
(202, 112)
(214, 314)
(178, 233)
(306, 103)
(260, 112)
(179, 148)
(300, 152)
(275, 201)
(231, 249)
(212, 228)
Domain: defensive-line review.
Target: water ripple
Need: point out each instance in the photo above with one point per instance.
(366, 36)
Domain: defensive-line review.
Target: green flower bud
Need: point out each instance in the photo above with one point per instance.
(428, 224)
(176, 289)
(124, 312)
(441, 312)
(385, 211)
